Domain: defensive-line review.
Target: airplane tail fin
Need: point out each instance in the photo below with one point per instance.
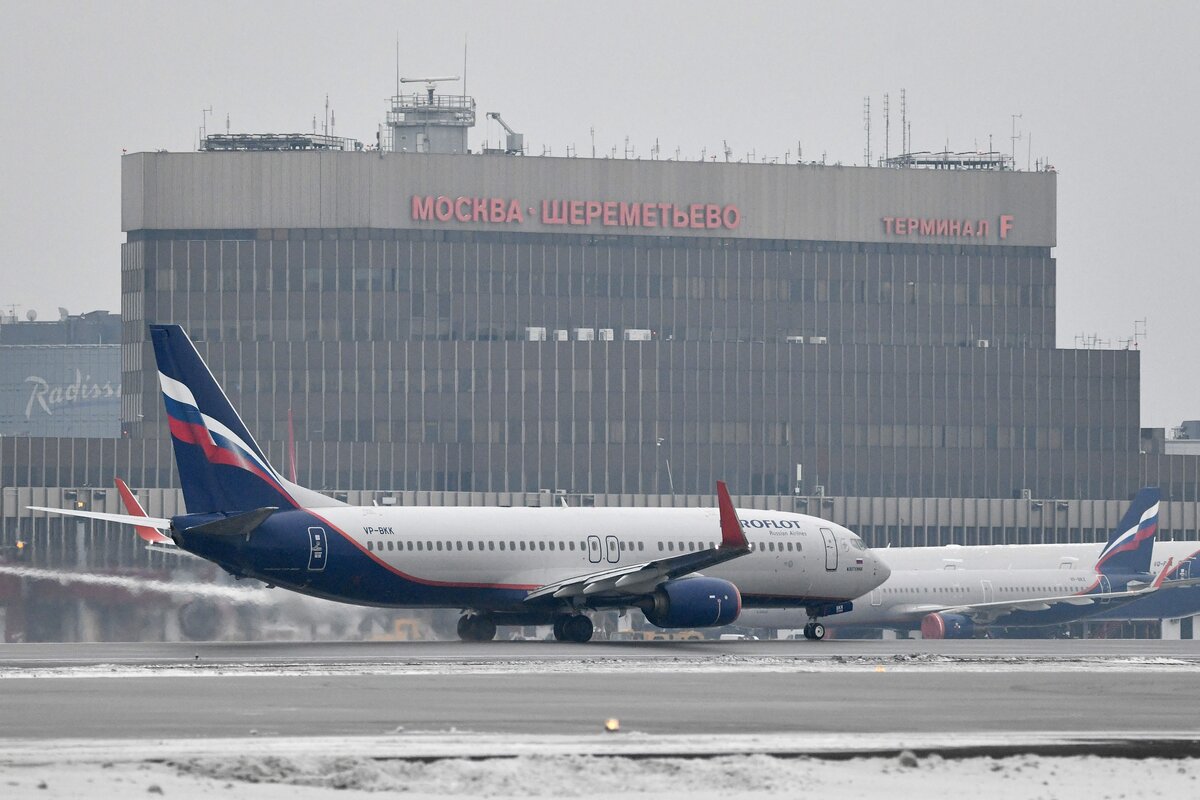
(221, 467)
(1131, 544)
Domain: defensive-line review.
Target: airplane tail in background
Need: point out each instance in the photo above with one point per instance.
(221, 467)
(1131, 544)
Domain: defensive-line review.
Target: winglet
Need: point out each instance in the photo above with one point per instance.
(135, 509)
(1163, 575)
(731, 526)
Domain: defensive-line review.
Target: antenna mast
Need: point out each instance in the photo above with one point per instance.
(1015, 136)
(887, 129)
(867, 128)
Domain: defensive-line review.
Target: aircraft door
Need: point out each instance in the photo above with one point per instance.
(988, 593)
(831, 553)
(1185, 570)
(594, 549)
(1105, 586)
(876, 597)
(613, 548)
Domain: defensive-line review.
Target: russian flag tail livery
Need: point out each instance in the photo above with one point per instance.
(221, 468)
(1131, 545)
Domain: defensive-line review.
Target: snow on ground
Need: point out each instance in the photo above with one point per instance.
(903, 662)
(610, 778)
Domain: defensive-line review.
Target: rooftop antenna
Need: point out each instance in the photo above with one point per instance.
(204, 112)
(903, 123)
(226, 123)
(325, 130)
(1140, 331)
(887, 129)
(593, 132)
(1014, 137)
(728, 150)
(867, 128)
(654, 150)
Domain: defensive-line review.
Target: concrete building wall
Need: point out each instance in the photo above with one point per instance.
(375, 190)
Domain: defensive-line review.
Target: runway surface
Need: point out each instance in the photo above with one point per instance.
(1003, 687)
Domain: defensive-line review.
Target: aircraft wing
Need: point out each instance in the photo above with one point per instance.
(984, 613)
(637, 579)
(150, 529)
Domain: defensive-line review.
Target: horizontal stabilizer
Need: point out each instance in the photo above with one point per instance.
(124, 519)
(238, 525)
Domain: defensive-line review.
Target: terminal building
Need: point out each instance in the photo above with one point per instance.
(871, 344)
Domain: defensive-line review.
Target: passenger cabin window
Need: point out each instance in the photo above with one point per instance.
(370, 545)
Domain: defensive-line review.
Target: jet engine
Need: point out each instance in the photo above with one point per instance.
(947, 626)
(693, 603)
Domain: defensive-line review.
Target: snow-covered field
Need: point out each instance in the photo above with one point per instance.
(612, 778)
(902, 662)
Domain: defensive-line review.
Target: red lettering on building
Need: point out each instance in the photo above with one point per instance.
(610, 213)
(1006, 225)
(582, 213)
(945, 226)
(731, 217)
(629, 215)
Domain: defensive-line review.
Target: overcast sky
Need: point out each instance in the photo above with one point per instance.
(1107, 92)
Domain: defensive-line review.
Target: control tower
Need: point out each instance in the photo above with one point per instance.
(429, 122)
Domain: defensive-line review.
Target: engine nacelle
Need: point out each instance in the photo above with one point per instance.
(947, 626)
(694, 603)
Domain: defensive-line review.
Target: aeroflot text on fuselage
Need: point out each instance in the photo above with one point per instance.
(608, 213)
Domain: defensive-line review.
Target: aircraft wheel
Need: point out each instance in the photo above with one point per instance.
(577, 629)
(808, 631)
(818, 631)
(474, 628)
(560, 622)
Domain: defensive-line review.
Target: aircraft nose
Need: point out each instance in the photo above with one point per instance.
(882, 571)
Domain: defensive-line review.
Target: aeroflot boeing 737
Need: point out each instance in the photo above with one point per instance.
(503, 566)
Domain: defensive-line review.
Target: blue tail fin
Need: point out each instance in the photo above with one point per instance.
(221, 467)
(1131, 544)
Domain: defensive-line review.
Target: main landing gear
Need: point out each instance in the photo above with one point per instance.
(572, 628)
(814, 631)
(474, 628)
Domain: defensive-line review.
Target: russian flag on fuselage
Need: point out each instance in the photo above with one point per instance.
(221, 467)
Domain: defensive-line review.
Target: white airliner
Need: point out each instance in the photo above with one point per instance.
(684, 568)
(1180, 559)
(995, 591)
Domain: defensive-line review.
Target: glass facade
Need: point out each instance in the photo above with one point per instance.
(460, 361)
